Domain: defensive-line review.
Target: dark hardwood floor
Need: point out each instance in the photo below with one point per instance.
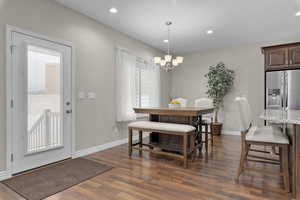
(155, 177)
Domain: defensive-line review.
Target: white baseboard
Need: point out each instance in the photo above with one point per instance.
(231, 132)
(4, 175)
(102, 147)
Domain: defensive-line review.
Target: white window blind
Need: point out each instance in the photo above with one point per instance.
(147, 84)
(137, 84)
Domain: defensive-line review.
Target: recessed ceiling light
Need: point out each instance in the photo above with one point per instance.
(166, 41)
(210, 32)
(113, 10)
(298, 13)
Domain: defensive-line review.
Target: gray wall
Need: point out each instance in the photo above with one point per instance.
(247, 61)
(95, 122)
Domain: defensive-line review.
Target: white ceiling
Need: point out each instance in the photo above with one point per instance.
(235, 22)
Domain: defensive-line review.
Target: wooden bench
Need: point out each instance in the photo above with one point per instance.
(186, 131)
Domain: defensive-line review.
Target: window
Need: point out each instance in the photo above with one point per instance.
(147, 84)
(39, 62)
(137, 84)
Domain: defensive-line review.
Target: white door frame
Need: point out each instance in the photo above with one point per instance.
(9, 111)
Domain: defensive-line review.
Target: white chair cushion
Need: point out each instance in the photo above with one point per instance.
(267, 134)
(245, 112)
(203, 102)
(162, 126)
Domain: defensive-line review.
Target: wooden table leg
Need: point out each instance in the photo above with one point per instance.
(285, 167)
(130, 142)
(200, 134)
(206, 138)
(185, 147)
(211, 135)
(140, 142)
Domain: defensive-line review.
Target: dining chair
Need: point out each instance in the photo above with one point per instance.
(266, 136)
(183, 102)
(207, 121)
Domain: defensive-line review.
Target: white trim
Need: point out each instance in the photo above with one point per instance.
(73, 100)
(9, 30)
(103, 147)
(4, 175)
(39, 36)
(231, 132)
(8, 97)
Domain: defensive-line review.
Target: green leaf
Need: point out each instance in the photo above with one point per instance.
(220, 81)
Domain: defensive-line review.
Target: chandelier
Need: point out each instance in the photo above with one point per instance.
(168, 62)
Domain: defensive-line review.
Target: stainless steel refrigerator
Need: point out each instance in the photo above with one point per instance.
(282, 90)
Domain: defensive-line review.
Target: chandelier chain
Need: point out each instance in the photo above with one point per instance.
(168, 24)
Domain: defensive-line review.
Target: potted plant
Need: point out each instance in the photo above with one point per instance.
(220, 81)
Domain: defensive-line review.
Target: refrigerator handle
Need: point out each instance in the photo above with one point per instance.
(283, 90)
(286, 90)
(282, 101)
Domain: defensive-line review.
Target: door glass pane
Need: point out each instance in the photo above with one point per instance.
(44, 96)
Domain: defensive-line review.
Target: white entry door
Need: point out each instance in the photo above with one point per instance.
(41, 81)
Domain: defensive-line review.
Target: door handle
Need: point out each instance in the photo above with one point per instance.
(68, 111)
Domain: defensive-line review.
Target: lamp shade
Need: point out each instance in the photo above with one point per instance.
(168, 58)
(179, 59)
(163, 62)
(175, 62)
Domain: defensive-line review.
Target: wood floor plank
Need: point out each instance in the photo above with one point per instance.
(157, 177)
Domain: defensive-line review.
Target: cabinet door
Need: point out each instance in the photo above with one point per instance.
(276, 59)
(294, 57)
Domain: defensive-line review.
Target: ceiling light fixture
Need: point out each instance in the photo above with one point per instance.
(168, 62)
(210, 32)
(113, 10)
(298, 13)
(166, 41)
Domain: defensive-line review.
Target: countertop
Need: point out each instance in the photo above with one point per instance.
(280, 116)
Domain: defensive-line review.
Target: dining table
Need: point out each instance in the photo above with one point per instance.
(289, 120)
(180, 115)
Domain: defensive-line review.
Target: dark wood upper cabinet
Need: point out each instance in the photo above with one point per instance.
(294, 56)
(282, 57)
(276, 58)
